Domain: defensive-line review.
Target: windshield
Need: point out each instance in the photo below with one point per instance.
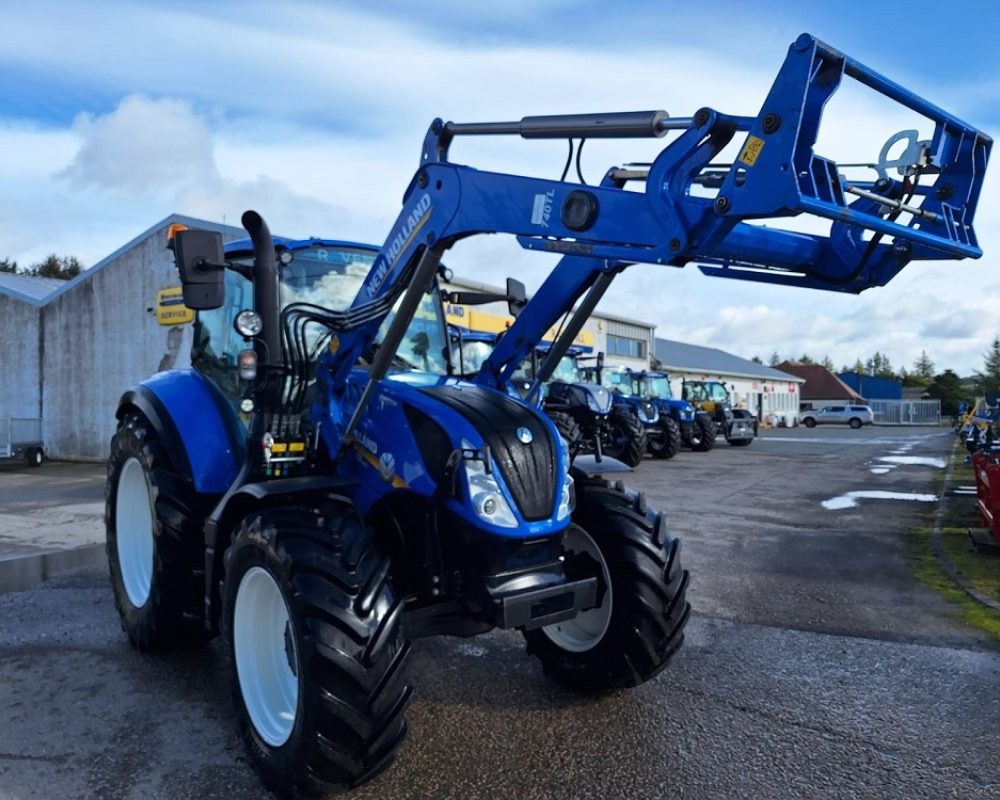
(567, 371)
(323, 275)
(473, 355)
(658, 386)
(617, 380)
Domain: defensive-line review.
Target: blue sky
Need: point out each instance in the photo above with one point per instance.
(116, 115)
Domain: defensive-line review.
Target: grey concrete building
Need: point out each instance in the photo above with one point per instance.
(69, 349)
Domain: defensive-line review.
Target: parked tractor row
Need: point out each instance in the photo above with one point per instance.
(326, 485)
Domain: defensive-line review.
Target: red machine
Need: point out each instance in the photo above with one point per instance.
(986, 464)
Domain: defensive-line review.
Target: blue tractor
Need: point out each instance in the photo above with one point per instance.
(698, 430)
(315, 490)
(677, 423)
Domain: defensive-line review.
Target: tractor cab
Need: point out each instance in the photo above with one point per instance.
(712, 397)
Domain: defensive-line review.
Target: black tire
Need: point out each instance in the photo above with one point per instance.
(855, 423)
(627, 437)
(809, 422)
(569, 429)
(35, 456)
(344, 640)
(702, 434)
(173, 612)
(648, 586)
(668, 442)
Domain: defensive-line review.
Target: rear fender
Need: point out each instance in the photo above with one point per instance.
(196, 424)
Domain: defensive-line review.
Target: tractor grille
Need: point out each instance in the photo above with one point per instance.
(528, 469)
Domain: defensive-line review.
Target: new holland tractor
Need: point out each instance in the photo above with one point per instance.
(316, 492)
(690, 427)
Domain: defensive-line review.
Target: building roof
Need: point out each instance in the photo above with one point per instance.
(36, 297)
(820, 383)
(30, 288)
(691, 357)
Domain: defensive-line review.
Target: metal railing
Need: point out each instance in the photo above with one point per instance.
(906, 412)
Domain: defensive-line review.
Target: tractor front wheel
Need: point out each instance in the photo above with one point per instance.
(626, 437)
(702, 434)
(570, 431)
(154, 541)
(639, 621)
(315, 642)
(668, 442)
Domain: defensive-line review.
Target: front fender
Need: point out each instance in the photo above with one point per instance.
(195, 423)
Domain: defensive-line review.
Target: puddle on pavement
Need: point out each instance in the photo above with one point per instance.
(880, 470)
(19, 573)
(921, 461)
(850, 500)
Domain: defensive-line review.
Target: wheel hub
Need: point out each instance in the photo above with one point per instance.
(267, 662)
(586, 629)
(134, 532)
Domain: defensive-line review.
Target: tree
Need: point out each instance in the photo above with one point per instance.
(8, 266)
(923, 368)
(989, 379)
(880, 365)
(947, 387)
(756, 360)
(774, 360)
(859, 367)
(60, 267)
(827, 363)
(805, 359)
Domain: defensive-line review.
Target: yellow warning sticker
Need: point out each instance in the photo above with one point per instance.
(334, 344)
(751, 150)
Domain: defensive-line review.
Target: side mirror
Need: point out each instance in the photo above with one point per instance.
(517, 297)
(200, 263)
(600, 360)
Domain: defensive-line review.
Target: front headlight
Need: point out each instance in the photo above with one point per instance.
(484, 494)
(567, 500)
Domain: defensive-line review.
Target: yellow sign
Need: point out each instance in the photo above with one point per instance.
(470, 319)
(751, 150)
(170, 308)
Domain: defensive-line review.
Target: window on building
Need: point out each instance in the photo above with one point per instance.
(626, 346)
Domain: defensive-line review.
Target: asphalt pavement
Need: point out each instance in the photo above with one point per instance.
(815, 665)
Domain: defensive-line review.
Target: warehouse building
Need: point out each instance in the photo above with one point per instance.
(70, 349)
(770, 394)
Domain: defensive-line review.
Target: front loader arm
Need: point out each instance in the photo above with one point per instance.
(601, 229)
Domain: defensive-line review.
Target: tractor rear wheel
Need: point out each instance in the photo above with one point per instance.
(668, 442)
(155, 545)
(569, 429)
(702, 434)
(639, 622)
(315, 642)
(627, 437)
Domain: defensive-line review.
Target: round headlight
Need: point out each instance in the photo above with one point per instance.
(248, 323)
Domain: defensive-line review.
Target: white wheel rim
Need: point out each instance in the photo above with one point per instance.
(267, 660)
(587, 628)
(38, 457)
(134, 532)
